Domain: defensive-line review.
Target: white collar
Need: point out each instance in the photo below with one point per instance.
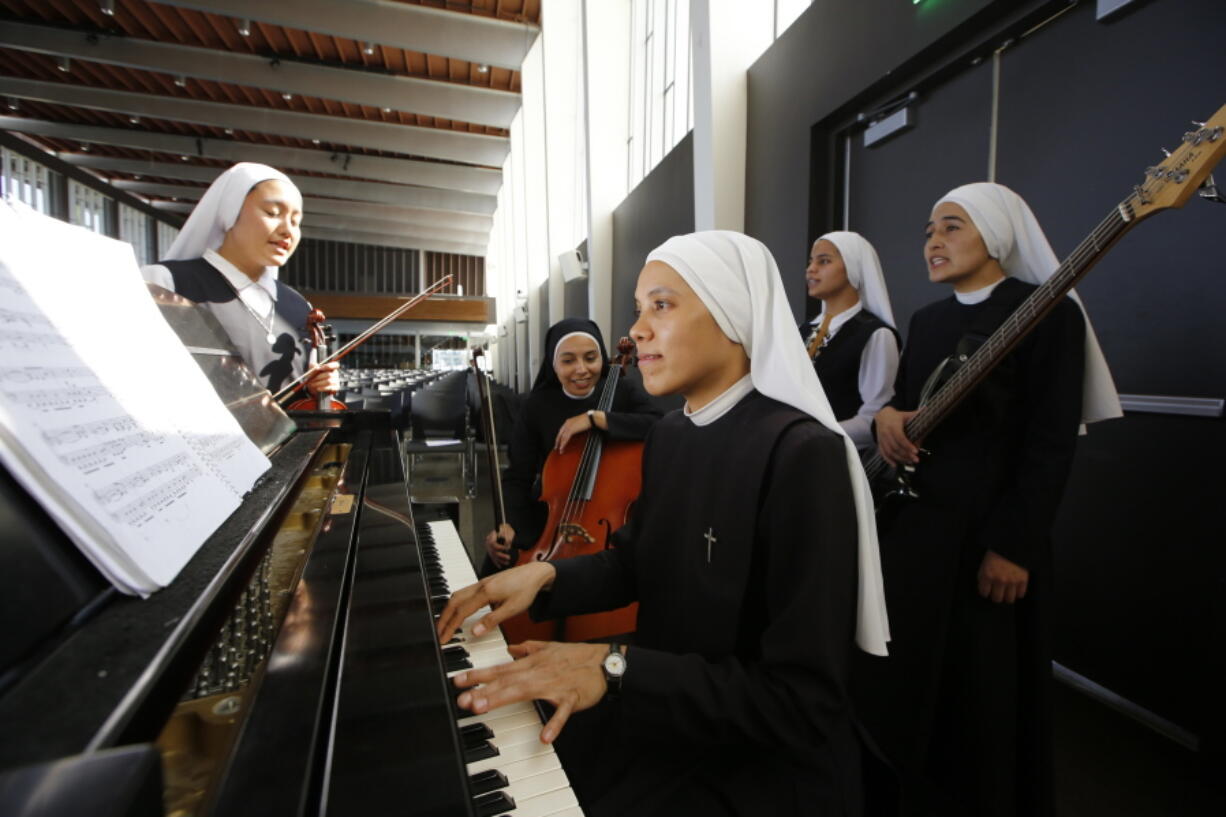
(720, 405)
(579, 397)
(838, 320)
(239, 279)
(977, 296)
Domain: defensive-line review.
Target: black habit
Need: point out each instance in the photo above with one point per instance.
(838, 364)
(742, 554)
(274, 364)
(960, 707)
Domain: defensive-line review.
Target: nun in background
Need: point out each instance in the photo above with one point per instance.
(226, 257)
(563, 403)
(852, 342)
(752, 553)
(960, 707)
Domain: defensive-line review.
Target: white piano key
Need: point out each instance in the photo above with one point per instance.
(536, 779)
(510, 754)
(546, 804)
(531, 787)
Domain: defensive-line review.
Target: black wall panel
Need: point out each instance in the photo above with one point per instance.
(894, 183)
(1085, 107)
(660, 207)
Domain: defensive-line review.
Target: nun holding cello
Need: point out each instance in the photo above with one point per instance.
(226, 257)
(563, 403)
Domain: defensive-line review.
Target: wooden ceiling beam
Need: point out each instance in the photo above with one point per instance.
(449, 100)
(457, 146)
(398, 171)
(471, 37)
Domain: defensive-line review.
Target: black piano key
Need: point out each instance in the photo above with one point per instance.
(480, 751)
(487, 781)
(456, 659)
(476, 731)
(493, 804)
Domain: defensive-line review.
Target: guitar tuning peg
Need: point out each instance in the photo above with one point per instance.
(1198, 124)
(1166, 153)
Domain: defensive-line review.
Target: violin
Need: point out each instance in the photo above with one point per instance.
(589, 490)
(321, 334)
(315, 325)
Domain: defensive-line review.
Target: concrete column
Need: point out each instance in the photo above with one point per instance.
(727, 37)
(606, 70)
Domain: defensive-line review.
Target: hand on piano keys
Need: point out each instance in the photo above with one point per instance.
(508, 593)
(510, 770)
(569, 676)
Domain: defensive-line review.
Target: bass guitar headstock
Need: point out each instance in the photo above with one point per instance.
(1173, 182)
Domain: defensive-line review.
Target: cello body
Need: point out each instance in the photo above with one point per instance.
(588, 491)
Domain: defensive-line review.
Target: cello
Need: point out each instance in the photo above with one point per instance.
(589, 491)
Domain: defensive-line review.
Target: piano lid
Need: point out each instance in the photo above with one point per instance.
(265, 423)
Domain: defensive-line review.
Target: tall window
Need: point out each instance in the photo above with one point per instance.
(661, 98)
(87, 207)
(166, 237)
(134, 229)
(28, 181)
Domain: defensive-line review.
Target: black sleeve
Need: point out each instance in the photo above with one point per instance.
(525, 457)
(633, 414)
(794, 692)
(1022, 515)
(901, 398)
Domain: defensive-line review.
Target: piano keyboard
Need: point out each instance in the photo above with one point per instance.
(510, 771)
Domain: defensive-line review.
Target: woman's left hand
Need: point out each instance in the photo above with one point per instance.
(575, 425)
(569, 676)
(325, 377)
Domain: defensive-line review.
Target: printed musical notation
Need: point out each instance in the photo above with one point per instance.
(149, 505)
(40, 374)
(138, 471)
(65, 399)
(19, 341)
(68, 435)
(118, 490)
(112, 452)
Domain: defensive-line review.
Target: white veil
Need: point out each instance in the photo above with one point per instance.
(1014, 238)
(219, 208)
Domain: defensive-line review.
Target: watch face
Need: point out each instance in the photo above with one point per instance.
(615, 664)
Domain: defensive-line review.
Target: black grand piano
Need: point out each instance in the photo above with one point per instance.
(291, 668)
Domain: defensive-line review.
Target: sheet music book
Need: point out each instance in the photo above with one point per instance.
(104, 416)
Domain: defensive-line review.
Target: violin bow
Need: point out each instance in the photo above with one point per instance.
(295, 384)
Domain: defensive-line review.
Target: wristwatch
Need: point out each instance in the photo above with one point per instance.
(614, 668)
(591, 416)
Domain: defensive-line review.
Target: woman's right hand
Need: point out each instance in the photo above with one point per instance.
(500, 552)
(509, 593)
(892, 440)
